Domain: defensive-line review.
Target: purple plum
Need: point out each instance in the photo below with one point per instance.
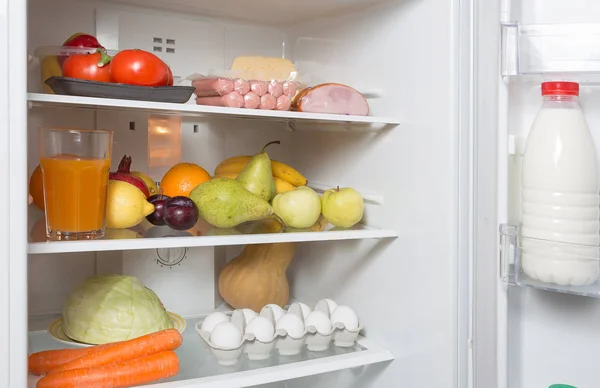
(180, 213)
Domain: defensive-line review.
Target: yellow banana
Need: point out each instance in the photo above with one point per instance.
(280, 170)
(230, 175)
(234, 159)
(281, 185)
(288, 174)
(228, 167)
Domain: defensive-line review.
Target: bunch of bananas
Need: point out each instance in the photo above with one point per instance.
(286, 178)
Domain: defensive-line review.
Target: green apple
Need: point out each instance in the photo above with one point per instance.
(342, 207)
(298, 208)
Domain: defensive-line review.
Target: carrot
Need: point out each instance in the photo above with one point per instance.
(124, 374)
(41, 363)
(169, 339)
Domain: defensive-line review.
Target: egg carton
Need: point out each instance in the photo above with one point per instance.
(290, 330)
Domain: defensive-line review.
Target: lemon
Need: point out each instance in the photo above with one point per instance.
(152, 188)
(126, 205)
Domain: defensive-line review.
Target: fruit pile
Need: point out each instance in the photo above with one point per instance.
(251, 188)
(243, 189)
(131, 67)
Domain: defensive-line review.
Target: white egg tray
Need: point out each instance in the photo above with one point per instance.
(285, 343)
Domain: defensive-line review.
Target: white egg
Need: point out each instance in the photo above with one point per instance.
(248, 315)
(305, 309)
(277, 311)
(320, 321)
(345, 315)
(226, 335)
(332, 305)
(292, 324)
(213, 320)
(262, 329)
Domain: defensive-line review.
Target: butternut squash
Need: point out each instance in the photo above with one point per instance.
(257, 276)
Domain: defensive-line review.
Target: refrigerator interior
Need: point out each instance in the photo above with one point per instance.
(404, 283)
(550, 336)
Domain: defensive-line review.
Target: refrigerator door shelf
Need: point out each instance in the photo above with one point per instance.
(547, 50)
(512, 271)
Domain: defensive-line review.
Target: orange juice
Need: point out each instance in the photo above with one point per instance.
(75, 193)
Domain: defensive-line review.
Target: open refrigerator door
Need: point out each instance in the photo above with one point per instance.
(545, 281)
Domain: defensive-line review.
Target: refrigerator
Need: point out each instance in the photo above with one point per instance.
(432, 270)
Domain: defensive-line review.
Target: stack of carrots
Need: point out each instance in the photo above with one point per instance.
(120, 364)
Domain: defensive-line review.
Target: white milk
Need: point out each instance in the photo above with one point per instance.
(560, 196)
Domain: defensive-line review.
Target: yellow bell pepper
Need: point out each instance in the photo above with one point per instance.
(48, 68)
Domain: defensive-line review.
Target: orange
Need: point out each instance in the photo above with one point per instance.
(36, 187)
(182, 178)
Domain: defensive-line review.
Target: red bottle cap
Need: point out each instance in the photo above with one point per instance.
(560, 88)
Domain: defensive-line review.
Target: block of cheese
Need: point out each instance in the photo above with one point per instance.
(263, 68)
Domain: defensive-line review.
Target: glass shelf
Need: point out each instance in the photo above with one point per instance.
(546, 260)
(148, 236)
(568, 50)
(313, 120)
(199, 367)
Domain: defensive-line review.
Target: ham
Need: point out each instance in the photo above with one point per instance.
(331, 98)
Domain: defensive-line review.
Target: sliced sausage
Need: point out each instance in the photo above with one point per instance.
(212, 101)
(241, 86)
(233, 100)
(259, 87)
(251, 100)
(208, 87)
(275, 88)
(283, 102)
(289, 88)
(333, 99)
(268, 102)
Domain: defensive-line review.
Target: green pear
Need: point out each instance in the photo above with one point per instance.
(298, 208)
(257, 176)
(224, 203)
(342, 207)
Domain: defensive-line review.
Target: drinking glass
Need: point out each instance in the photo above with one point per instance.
(75, 166)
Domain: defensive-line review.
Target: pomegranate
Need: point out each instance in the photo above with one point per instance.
(123, 174)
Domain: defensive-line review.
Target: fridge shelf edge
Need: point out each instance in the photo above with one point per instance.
(205, 241)
(192, 110)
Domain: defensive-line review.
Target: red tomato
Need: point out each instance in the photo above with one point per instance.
(139, 67)
(80, 40)
(85, 66)
(171, 79)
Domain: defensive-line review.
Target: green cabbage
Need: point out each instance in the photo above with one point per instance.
(112, 308)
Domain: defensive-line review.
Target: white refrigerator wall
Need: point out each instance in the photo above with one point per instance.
(405, 290)
(405, 54)
(552, 337)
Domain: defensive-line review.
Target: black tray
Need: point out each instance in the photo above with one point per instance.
(84, 88)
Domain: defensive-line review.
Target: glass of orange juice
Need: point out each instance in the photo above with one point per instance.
(75, 166)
